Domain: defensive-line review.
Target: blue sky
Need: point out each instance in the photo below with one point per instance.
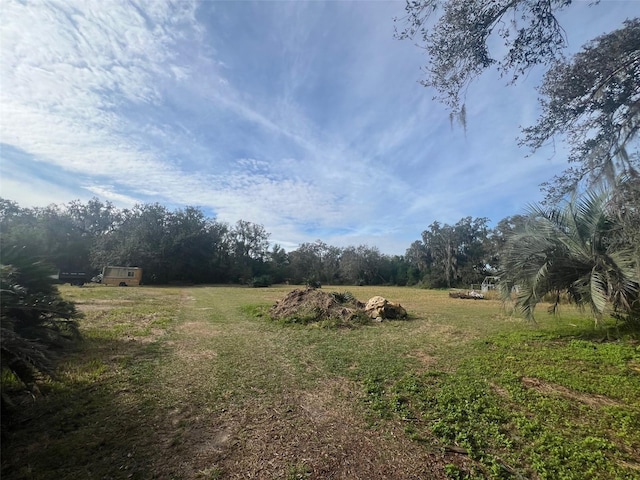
(305, 117)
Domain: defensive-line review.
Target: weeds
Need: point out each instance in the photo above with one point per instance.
(299, 471)
(553, 407)
(199, 383)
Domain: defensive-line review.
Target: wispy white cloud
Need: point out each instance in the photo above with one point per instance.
(72, 83)
(107, 192)
(304, 117)
(37, 192)
(67, 70)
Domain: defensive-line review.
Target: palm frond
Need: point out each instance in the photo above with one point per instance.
(599, 292)
(35, 320)
(574, 249)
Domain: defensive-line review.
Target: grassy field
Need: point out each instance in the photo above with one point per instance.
(197, 383)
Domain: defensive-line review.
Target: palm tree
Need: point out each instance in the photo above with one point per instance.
(35, 321)
(579, 249)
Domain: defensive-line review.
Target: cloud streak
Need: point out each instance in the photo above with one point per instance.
(304, 117)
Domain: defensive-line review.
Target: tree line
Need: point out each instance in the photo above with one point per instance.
(587, 248)
(184, 245)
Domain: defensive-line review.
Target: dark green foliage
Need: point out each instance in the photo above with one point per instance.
(625, 207)
(179, 246)
(248, 245)
(361, 265)
(169, 246)
(453, 255)
(261, 281)
(184, 246)
(580, 250)
(312, 282)
(279, 264)
(344, 297)
(36, 322)
(354, 265)
(62, 236)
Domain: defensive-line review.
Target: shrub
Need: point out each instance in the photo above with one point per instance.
(35, 321)
(261, 281)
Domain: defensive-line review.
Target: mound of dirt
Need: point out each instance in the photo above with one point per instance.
(314, 305)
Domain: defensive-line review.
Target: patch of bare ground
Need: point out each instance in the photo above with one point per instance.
(197, 330)
(547, 388)
(425, 360)
(499, 390)
(631, 465)
(318, 434)
(102, 304)
(445, 334)
(189, 350)
(145, 324)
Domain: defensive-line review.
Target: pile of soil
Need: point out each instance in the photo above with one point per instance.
(314, 305)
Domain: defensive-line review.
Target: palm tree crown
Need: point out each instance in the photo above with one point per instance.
(578, 250)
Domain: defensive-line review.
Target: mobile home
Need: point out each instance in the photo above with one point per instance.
(121, 276)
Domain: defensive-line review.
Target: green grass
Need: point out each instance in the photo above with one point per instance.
(200, 383)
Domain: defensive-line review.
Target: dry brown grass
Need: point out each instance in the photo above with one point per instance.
(318, 433)
(271, 418)
(549, 388)
(181, 384)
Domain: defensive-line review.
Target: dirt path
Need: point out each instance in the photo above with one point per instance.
(241, 403)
